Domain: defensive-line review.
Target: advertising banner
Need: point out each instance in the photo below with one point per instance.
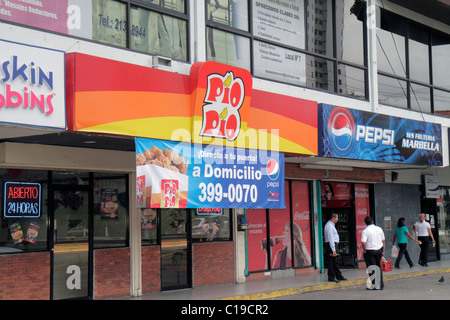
(215, 104)
(32, 87)
(182, 175)
(356, 134)
(362, 210)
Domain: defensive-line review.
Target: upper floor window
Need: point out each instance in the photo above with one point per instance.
(413, 66)
(311, 43)
(158, 27)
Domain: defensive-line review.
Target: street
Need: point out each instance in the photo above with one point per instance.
(417, 288)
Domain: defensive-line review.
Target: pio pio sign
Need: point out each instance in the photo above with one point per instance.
(221, 102)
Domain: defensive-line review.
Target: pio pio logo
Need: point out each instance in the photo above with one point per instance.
(169, 193)
(273, 169)
(341, 131)
(224, 97)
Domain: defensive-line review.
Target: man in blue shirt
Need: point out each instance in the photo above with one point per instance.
(331, 242)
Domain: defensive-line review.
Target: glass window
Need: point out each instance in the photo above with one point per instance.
(351, 81)
(175, 5)
(110, 210)
(319, 74)
(109, 22)
(391, 45)
(442, 102)
(159, 34)
(70, 177)
(392, 91)
(231, 13)
(211, 227)
(319, 21)
(441, 64)
(420, 98)
(419, 58)
(28, 233)
(149, 224)
(228, 48)
(443, 209)
(349, 33)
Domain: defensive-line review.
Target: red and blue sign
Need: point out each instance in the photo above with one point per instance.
(173, 174)
(355, 134)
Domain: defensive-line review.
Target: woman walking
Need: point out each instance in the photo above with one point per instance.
(401, 235)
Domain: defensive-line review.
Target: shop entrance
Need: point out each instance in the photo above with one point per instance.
(429, 206)
(175, 249)
(71, 255)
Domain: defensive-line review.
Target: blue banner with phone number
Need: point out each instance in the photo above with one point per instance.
(182, 175)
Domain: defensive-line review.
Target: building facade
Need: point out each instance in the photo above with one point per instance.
(155, 145)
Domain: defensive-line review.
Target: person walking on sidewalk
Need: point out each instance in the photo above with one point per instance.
(401, 236)
(373, 244)
(423, 229)
(331, 242)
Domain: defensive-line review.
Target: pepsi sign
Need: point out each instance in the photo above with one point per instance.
(360, 135)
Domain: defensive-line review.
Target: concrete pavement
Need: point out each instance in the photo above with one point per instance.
(272, 288)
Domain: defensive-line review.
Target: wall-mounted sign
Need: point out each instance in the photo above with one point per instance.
(215, 99)
(430, 185)
(356, 134)
(209, 211)
(22, 200)
(182, 175)
(32, 86)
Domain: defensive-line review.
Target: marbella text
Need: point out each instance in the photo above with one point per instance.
(386, 137)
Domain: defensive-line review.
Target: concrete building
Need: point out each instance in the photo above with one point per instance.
(335, 106)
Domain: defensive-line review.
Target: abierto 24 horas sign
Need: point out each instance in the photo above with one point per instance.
(355, 134)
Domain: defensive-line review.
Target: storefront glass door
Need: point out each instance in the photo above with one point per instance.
(71, 245)
(175, 250)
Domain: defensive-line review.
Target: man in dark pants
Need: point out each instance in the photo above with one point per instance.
(331, 242)
(373, 243)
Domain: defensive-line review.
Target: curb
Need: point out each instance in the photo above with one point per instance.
(331, 285)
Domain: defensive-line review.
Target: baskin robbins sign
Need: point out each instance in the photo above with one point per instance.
(173, 174)
(32, 86)
(356, 134)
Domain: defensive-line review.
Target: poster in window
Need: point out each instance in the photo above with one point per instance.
(301, 223)
(336, 195)
(280, 21)
(362, 210)
(257, 240)
(109, 204)
(280, 235)
(279, 64)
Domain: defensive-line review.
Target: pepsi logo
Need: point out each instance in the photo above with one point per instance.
(342, 128)
(273, 169)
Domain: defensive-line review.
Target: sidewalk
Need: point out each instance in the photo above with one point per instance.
(263, 289)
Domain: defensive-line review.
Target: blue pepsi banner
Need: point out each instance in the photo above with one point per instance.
(173, 174)
(361, 135)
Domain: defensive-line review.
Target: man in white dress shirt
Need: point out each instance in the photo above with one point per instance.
(331, 241)
(373, 244)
